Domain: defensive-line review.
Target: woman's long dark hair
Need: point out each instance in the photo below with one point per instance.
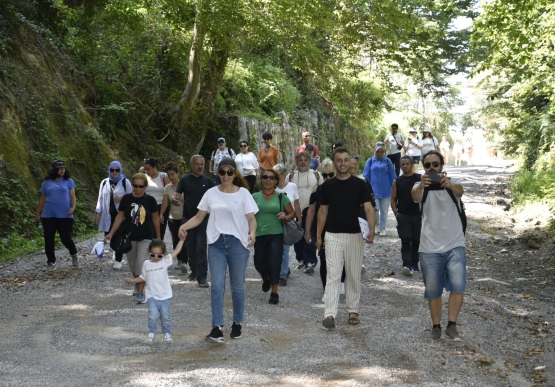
(239, 180)
(53, 174)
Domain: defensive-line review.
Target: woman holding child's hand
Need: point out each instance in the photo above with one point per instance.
(231, 230)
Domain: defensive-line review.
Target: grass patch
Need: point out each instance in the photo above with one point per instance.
(529, 186)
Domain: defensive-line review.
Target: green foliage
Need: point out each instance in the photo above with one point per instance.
(535, 186)
(513, 53)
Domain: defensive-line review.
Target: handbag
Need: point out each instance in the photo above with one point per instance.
(292, 232)
(121, 241)
(399, 146)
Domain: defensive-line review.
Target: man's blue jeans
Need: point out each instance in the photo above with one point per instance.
(159, 310)
(226, 252)
(285, 262)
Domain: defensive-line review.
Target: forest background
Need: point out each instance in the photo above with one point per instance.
(89, 81)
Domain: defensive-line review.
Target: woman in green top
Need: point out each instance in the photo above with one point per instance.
(268, 248)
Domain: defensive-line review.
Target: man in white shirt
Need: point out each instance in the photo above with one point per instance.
(306, 181)
(394, 144)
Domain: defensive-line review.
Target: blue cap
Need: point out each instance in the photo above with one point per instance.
(221, 139)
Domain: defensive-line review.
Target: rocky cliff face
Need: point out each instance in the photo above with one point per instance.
(286, 132)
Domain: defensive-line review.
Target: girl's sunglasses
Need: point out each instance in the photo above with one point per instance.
(325, 175)
(435, 164)
(159, 256)
(268, 177)
(114, 170)
(138, 186)
(221, 172)
(244, 145)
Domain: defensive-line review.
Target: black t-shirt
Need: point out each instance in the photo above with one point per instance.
(405, 204)
(193, 189)
(143, 228)
(343, 198)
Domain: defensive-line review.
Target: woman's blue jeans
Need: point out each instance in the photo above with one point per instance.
(226, 252)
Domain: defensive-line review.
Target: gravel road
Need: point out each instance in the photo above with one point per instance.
(80, 327)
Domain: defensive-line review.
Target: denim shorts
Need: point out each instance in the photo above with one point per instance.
(443, 270)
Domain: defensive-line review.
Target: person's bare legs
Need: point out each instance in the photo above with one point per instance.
(435, 310)
(455, 305)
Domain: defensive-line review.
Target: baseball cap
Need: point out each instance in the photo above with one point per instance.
(227, 162)
(221, 139)
(58, 164)
(310, 147)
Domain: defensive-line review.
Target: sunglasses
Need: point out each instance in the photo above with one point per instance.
(354, 157)
(159, 256)
(268, 177)
(434, 164)
(114, 170)
(326, 175)
(244, 146)
(220, 142)
(138, 186)
(221, 172)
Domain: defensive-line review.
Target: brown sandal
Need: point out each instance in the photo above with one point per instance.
(353, 319)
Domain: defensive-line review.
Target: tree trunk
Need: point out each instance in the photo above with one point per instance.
(192, 89)
(211, 84)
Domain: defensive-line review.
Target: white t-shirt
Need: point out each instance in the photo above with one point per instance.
(155, 188)
(246, 161)
(228, 213)
(429, 144)
(392, 141)
(155, 274)
(412, 150)
(306, 182)
(291, 191)
(176, 212)
(441, 225)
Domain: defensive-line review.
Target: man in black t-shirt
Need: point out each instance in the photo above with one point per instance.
(340, 201)
(193, 187)
(407, 213)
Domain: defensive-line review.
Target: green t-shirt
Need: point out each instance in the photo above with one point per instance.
(267, 222)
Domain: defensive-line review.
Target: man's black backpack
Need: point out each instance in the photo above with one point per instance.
(461, 210)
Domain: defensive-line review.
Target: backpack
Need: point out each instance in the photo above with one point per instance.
(461, 211)
(229, 150)
(316, 174)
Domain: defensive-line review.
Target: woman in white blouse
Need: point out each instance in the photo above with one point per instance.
(155, 188)
(247, 164)
(230, 232)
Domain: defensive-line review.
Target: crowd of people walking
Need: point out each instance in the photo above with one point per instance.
(214, 222)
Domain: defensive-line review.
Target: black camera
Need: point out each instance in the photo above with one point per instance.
(436, 177)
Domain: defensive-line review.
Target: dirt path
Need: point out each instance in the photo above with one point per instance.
(81, 327)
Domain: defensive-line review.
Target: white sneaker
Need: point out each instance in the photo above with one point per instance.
(117, 265)
(342, 288)
(324, 298)
(383, 233)
(168, 338)
(150, 339)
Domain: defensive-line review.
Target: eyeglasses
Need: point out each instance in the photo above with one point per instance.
(159, 256)
(326, 175)
(354, 157)
(268, 177)
(114, 170)
(221, 172)
(244, 146)
(138, 186)
(434, 164)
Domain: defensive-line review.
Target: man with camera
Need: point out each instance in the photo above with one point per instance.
(442, 244)
(394, 143)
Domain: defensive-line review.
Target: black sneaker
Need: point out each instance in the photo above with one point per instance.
(51, 266)
(266, 286)
(192, 277)
(274, 298)
(236, 331)
(301, 266)
(282, 282)
(217, 335)
(203, 284)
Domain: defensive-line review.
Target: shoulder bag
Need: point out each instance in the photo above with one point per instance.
(292, 232)
(121, 241)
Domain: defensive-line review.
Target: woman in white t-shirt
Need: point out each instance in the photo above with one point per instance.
(155, 188)
(174, 209)
(247, 164)
(231, 230)
(429, 142)
(413, 148)
(290, 189)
